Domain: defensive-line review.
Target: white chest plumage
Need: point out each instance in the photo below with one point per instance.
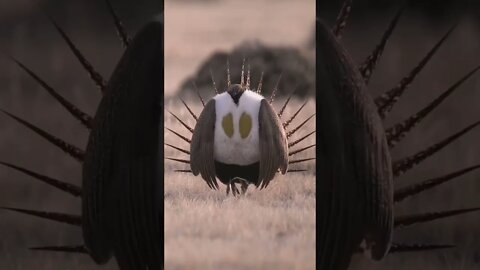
(237, 148)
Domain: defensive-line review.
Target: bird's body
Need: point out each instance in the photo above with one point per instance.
(238, 138)
(236, 129)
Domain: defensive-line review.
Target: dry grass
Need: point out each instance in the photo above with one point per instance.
(43, 50)
(269, 229)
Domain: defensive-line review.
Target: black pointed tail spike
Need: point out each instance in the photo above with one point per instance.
(80, 249)
(229, 80)
(242, 80)
(405, 164)
(290, 133)
(63, 186)
(342, 18)
(70, 149)
(179, 160)
(280, 113)
(198, 93)
(412, 190)
(179, 135)
(298, 151)
(181, 122)
(301, 139)
(213, 82)
(248, 76)
(300, 160)
(387, 100)
(178, 148)
(84, 118)
(122, 33)
(289, 121)
(94, 75)
(260, 83)
(183, 171)
(275, 89)
(282, 110)
(408, 220)
(74, 220)
(297, 170)
(188, 109)
(396, 133)
(368, 66)
(399, 248)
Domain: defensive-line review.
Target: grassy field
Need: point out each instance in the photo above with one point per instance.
(204, 227)
(269, 229)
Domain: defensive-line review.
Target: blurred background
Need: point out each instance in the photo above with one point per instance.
(272, 36)
(206, 229)
(420, 27)
(27, 34)
(190, 42)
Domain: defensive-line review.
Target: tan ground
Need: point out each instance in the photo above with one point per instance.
(43, 50)
(269, 229)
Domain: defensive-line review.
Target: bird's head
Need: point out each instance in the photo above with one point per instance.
(236, 91)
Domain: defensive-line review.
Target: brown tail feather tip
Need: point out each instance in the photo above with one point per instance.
(368, 66)
(188, 109)
(178, 148)
(58, 217)
(407, 220)
(260, 83)
(301, 139)
(66, 187)
(72, 150)
(179, 135)
(396, 133)
(287, 123)
(275, 89)
(301, 150)
(290, 133)
(386, 101)
(300, 160)
(67, 249)
(119, 25)
(297, 170)
(405, 164)
(84, 118)
(198, 93)
(94, 75)
(179, 160)
(342, 18)
(415, 189)
(397, 248)
(213, 82)
(181, 122)
(183, 171)
(282, 110)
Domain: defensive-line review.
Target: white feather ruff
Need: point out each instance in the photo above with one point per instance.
(236, 150)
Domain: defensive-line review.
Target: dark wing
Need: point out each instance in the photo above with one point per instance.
(355, 174)
(273, 144)
(201, 147)
(123, 165)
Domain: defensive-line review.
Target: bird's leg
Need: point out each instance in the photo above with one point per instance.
(235, 191)
(228, 188)
(231, 185)
(244, 187)
(244, 184)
